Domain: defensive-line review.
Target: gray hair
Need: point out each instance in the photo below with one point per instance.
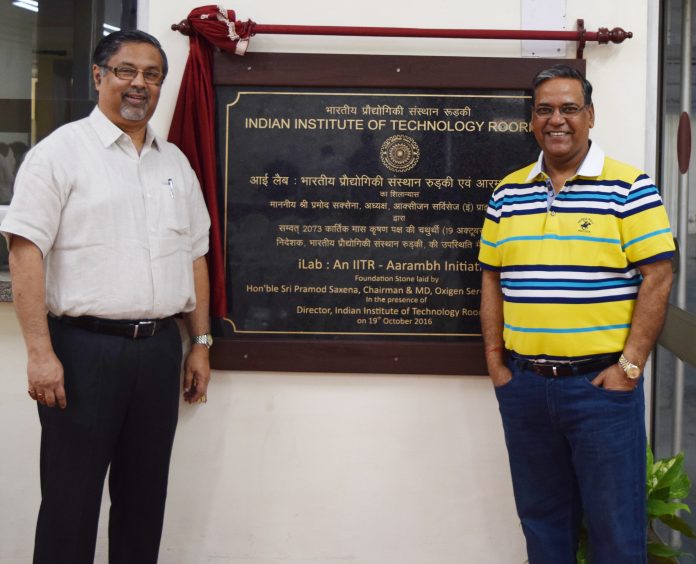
(109, 46)
(563, 71)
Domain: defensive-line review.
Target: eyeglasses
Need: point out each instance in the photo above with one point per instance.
(129, 73)
(566, 110)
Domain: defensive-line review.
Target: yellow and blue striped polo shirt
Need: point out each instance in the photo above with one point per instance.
(569, 272)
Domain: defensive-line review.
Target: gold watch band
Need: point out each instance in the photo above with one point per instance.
(632, 370)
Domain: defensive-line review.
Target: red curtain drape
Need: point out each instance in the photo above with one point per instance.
(193, 124)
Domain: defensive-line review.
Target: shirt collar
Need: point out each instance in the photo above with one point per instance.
(591, 166)
(108, 132)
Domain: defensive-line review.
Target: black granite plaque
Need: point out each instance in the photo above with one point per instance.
(357, 214)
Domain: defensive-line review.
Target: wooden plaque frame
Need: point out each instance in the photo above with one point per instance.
(366, 71)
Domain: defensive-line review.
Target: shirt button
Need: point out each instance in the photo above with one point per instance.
(553, 213)
(149, 195)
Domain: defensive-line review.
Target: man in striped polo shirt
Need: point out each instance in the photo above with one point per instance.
(576, 255)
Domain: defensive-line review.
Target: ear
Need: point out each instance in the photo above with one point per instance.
(590, 112)
(96, 76)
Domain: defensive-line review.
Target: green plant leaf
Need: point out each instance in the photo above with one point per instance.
(661, 466)
(660, 560)
(666, 485)
(661, 549)
(661, 493)
(678, 524)
(581, 554)
(680, 488)
(658, 508)
(650, 485)
(653, 481)
(675, 465)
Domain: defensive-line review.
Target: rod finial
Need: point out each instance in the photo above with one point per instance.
(616, 35)
(183, 27)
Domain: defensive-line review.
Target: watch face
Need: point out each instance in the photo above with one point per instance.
(632, 371)
(209, 338)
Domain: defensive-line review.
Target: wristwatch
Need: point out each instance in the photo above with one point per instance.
(206, 339)
(632, 371)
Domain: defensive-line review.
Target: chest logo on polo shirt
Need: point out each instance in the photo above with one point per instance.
(584, 224)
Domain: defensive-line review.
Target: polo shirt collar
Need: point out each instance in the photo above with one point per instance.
(591, 166)
(108, 132)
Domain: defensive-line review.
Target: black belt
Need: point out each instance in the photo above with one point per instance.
(551, 370)
(132, 329)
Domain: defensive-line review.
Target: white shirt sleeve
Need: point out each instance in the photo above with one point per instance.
(41, 189)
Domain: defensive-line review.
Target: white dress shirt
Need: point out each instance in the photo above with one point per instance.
(118, 230)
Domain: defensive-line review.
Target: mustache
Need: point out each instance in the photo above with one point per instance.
(139, 91)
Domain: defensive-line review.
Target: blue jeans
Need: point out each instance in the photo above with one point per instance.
(576, 449)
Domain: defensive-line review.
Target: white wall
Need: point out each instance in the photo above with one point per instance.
(617, 72)
(321, 468)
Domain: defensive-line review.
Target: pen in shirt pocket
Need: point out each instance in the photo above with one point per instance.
(170, 182)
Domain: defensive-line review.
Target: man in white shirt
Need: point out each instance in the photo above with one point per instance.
(107, 233)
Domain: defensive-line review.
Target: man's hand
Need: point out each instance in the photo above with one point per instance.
(492, 328)
(197, 365)
(614, 378)
(500, 375)
(197, 375)
(45, 379)
(44, 370)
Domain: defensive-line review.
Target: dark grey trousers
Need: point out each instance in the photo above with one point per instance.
(123, 401)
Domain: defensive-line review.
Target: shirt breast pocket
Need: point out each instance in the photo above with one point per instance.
(174, 213)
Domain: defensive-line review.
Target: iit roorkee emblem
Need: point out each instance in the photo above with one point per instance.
(399, 153)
